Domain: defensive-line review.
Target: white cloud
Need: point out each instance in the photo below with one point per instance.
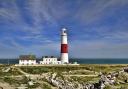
(11, 14)
(11, 48)
(39, 9)
(42, 12)
(98, 49)
(96, 10)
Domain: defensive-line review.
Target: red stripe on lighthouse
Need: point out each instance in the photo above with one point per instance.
(64, 48)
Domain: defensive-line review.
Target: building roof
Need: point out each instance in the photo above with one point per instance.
(48, 57)
(27, 57)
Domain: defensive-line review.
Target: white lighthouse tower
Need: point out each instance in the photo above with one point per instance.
(64, 47)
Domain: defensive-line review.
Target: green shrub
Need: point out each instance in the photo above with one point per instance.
(123, 87)
(45, 86)
(108, 87)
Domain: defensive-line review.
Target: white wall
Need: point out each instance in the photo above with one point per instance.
(50, 61)
(27, 62)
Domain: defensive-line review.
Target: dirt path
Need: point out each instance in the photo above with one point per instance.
(21, 71)
(35, 76)
(6, 86)
(82, 75)
(43, 82)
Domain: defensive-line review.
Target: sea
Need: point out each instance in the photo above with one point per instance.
(78, 60)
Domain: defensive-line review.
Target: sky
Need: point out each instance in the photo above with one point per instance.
(96, 28)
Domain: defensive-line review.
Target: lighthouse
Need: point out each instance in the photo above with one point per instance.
(64, 47)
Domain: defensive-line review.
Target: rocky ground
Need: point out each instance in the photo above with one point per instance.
(64, 77)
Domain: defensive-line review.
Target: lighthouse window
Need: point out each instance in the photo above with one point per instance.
(64, 31)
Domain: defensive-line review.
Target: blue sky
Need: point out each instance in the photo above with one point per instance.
(96, 28)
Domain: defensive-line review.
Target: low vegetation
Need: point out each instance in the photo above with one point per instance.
(94, 68)
(85, 79)
(13, 76)
(45, 86)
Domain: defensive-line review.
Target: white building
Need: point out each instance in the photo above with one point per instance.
(27, 60)
(50, 60)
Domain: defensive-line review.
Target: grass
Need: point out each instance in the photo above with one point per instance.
(11, 80)
(45, 86)
(85, 79)
(87, 69)
(90, 67)
(11, 72)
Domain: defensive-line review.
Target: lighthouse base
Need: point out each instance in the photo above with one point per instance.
(64, 58)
